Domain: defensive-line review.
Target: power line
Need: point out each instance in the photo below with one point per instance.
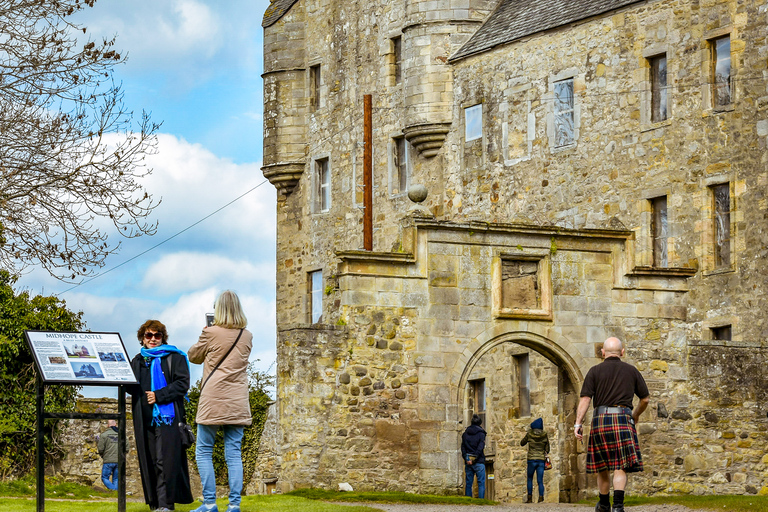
(164, 241)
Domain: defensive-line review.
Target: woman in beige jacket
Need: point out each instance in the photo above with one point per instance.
(224, 397)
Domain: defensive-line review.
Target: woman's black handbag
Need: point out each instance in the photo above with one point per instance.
(186, 434)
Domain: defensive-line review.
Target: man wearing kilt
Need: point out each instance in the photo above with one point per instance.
(611, 387)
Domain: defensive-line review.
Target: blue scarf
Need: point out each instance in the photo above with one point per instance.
(161, 413)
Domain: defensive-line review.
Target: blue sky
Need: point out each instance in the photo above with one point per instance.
(196, 66)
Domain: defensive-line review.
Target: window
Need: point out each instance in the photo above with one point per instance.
(722, 220)
(477, 399)
(658, 88)
(323, 180)
(315, 292)
(721, 333)
(473, 122)
(563, 113)
(659, 230)
(397, 59)
(315, 82)
(400, 166)
(524, 384)
(722, 93)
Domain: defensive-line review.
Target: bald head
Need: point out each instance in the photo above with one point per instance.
(613, 348)
(111, 423)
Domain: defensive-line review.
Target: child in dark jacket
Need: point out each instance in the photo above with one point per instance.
(538, 448)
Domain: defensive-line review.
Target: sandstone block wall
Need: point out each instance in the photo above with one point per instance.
(376, 394)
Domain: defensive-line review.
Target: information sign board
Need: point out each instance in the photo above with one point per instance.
(81, 358)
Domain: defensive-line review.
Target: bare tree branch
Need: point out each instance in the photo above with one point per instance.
(70, 153)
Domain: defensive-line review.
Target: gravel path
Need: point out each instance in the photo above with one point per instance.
(536, 507)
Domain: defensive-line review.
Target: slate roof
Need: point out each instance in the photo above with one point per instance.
(514, 19)
(275, 11)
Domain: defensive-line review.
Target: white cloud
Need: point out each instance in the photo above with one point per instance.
(189, 39)
(194, 183)
(182, 271)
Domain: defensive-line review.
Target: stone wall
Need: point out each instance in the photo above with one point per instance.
(375, 394)
(82, 463)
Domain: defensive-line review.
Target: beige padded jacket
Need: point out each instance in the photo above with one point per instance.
(224, 400)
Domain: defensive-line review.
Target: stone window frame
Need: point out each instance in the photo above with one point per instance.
(393, 171)
(544, 274)
(708, 233)
(707, 70)
(504, 111)
(316, 185)
(579, 81)
(646, 99)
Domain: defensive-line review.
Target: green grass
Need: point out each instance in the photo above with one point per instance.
(53, 489)
(729, 503)
(386, 497)
(276, 503)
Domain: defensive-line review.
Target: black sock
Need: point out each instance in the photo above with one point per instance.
(605, 499)
(618, 498)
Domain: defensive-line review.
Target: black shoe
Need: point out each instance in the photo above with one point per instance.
(602, 508)
(618, 508)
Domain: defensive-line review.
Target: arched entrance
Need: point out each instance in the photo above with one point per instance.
(510, 379)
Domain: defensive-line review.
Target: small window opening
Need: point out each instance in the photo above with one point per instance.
(523, 364)
(473, 122)
(323, 184)
(721, 333)
(315, 285)
(397, 59)
(658, 88)
(722, 220)
(315, 82)
(722, 92)
(401, 166)
(660, 231)
(477, 399)
(564, 114)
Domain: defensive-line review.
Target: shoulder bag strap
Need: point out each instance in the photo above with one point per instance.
(221, 361)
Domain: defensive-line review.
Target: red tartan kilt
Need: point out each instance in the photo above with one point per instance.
(613, 444)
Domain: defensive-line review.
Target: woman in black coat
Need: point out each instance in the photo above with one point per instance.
(158, 407)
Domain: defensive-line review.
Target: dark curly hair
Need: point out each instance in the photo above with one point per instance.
(152, 325)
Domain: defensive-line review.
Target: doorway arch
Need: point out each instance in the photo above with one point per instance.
(554, 353)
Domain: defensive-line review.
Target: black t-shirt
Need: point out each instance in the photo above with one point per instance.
(614, 382)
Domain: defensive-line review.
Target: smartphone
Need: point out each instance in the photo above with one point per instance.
(208, 319)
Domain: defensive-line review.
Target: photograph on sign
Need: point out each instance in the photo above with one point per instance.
(92, 358)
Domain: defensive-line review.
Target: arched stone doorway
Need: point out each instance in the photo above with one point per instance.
(510, 379)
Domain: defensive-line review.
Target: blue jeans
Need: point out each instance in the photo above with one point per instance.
(471, 470)
(536, 466)
(109, 471)
(233, 438)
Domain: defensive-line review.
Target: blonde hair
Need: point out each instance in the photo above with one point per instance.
(227, 311)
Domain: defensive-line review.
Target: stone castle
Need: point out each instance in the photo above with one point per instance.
(591, 168)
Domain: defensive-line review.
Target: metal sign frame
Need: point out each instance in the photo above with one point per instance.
(42, 415)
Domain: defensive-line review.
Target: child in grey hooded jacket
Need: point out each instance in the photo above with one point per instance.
(538, 448)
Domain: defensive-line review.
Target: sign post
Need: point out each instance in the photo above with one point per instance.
(75, 359)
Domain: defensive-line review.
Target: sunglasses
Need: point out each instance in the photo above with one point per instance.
(150, 335)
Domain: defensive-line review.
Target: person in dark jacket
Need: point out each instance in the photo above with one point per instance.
(472, 446)
(538, 448)
(158, 406)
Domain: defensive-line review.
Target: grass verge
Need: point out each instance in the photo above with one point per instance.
(386, 497)
(276, 503)
(729, 503)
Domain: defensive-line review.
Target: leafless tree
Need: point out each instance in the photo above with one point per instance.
(71, 155)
